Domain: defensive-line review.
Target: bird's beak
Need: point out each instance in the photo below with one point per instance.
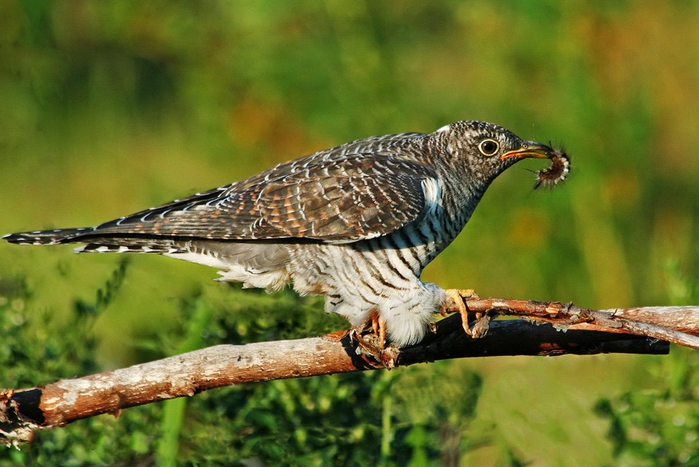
(530, 149)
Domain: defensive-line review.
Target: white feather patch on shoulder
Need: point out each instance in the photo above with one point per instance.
(432, 190)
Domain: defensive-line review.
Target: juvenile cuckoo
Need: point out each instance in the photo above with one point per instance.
(357, 222)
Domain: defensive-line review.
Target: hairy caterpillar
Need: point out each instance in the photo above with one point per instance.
(556, 172)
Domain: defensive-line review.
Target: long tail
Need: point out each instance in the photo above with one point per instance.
(95, 243)
(48, 237)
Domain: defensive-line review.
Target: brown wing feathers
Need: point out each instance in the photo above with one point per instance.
(333, 195)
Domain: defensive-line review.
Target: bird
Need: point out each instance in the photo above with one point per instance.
(357, 223)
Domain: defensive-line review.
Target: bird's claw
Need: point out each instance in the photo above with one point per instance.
(481, 326)
(458, 305)
(372, 348)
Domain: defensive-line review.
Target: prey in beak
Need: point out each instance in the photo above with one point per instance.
(550, 176)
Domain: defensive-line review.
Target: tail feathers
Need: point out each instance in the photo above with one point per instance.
(47, 237)
(94, 242)
(130, 245)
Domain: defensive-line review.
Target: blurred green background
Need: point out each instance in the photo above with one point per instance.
(107, 108)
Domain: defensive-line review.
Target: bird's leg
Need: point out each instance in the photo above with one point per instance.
(457, 296)
(368, 334)
(378, 325)
(371, 342)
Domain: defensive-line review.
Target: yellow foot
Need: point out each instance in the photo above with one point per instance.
(371, 342)
(374, 356)
(457, 305)
(378, 325)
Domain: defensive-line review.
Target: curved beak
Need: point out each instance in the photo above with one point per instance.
(530, 149)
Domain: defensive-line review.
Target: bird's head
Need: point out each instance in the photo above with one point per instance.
(484, 150)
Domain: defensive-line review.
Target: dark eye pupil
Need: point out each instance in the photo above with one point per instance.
(489, 147)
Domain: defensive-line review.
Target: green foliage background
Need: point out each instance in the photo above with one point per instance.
(110, 107)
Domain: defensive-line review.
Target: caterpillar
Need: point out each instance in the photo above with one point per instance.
(556, 172)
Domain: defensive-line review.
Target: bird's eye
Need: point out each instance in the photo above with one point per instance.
(488, 147)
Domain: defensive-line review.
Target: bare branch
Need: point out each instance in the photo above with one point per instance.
(22, 412)
(678, 325)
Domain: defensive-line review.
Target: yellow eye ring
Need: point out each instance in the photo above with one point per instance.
(488, 147)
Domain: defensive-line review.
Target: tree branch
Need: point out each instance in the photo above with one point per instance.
(23, 412)
(678, 325)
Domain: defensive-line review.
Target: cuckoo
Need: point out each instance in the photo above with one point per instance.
(357, 223)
